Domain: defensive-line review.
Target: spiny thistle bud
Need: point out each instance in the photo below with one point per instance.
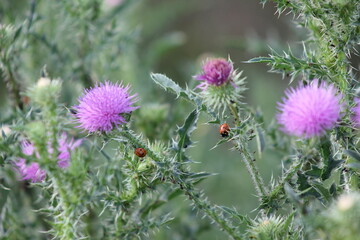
(341, 220)
(222, 85)
(103, 107)
(35, 131)
(271, 228)
(310, 110)
(46, 92)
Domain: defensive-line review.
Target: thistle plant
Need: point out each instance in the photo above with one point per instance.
(86, 156)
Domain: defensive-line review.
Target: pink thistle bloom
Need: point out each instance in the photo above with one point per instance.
(32, 171)
(64, 148)
(356, 111)
(101, 108)
(216, 72)
(310, 110)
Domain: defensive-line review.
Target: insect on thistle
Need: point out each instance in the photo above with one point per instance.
(224, 130)
(140, 152)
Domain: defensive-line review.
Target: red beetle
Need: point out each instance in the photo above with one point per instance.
(140, 152)
(224, 130)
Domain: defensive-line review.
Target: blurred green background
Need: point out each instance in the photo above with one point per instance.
(172, 37)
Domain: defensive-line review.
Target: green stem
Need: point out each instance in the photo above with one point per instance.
(253, 170)
(248, 159)
(13, 87)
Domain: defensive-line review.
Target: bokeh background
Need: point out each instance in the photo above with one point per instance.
(171, 37)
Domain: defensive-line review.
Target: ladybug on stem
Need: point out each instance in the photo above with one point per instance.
(140, 152)
(224, 130)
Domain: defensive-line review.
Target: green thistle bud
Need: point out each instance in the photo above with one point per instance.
(45, 92)
(341, 220)
(35, 132)
(272, 228)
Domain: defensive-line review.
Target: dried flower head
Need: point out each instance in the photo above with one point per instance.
(216, 72)
(102, 107)
(356, 111)
(32, 171)
(309, 110)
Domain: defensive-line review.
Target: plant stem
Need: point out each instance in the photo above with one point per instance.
(186, 187)
(252, 169)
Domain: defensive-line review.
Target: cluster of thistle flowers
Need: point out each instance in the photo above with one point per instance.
(32, 171)
(306, 111)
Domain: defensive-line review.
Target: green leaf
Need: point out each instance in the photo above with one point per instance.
(200, 175)
(185, 131)
(322, 191)
(352, 154)
(235, 214)
(169, 85)
(260, 60)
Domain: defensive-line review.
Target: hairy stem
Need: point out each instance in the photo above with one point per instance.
(248, 159)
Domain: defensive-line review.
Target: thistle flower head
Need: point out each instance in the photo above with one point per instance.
(222, 85)
(340, 220)
(65, 146)
(101, 108)
(32, 171)
(271, 228)
(216, 72)
(309, 110)
(356, 111)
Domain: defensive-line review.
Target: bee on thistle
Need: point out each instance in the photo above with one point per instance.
(224, 130)
(140, 152)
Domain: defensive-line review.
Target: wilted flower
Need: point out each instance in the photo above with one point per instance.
(32, 171)
(309, 110)
(102, 107)
(216, 72)
(356, 110)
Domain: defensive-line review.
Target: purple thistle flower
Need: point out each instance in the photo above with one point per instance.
(65, 146)
(216, 72)
(29, 172)
(101, 107)
(356, 111)
(32, 171)
(310, 110)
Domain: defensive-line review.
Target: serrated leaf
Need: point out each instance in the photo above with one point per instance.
(329, 162)
(352, 154)
(185, 131)
(235, 214)
(169, 84)
(260, 60)
(322, 191)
